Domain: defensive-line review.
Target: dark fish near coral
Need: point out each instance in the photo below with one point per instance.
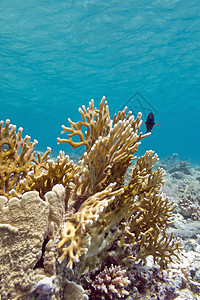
(150, 122)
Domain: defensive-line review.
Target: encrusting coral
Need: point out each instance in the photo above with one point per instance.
(25, 226)
(99, 207)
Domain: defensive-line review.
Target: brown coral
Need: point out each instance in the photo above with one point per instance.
(110, 283)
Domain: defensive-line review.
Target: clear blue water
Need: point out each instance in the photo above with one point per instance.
(57, 55)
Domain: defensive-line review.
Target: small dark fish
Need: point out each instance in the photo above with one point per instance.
(150, 122)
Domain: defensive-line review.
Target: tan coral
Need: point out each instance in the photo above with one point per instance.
(24, 225)
(108, 152)
(81, 226)
(46, 174)
(160, 245)
(147, 227)
(22, 171)
(97, 215)
(142, 176)
(16, 156)
(96, 121)
(152, 214)
(139, 203)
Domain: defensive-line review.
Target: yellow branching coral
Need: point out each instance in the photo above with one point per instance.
(146, 228)
(157, 243)
(160, 245)
(152, 214)
(142, 176)
(109, 144)
(16, 158)
(77, 233)
(22, 171)
(107, 151)
(96, 121)
(46, 174)
(135, 211)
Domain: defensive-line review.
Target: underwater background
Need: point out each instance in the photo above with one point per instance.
(57, 55)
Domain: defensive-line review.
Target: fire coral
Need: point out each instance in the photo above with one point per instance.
(102, 207)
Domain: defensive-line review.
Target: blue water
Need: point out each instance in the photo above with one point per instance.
(57, 55)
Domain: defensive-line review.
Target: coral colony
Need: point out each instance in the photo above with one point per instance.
(58, 218)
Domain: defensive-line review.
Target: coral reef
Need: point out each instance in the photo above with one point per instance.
(89, 202)
(15, 160)
(26, 227)
(101, 201)
(110, 283)
(21, 171)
